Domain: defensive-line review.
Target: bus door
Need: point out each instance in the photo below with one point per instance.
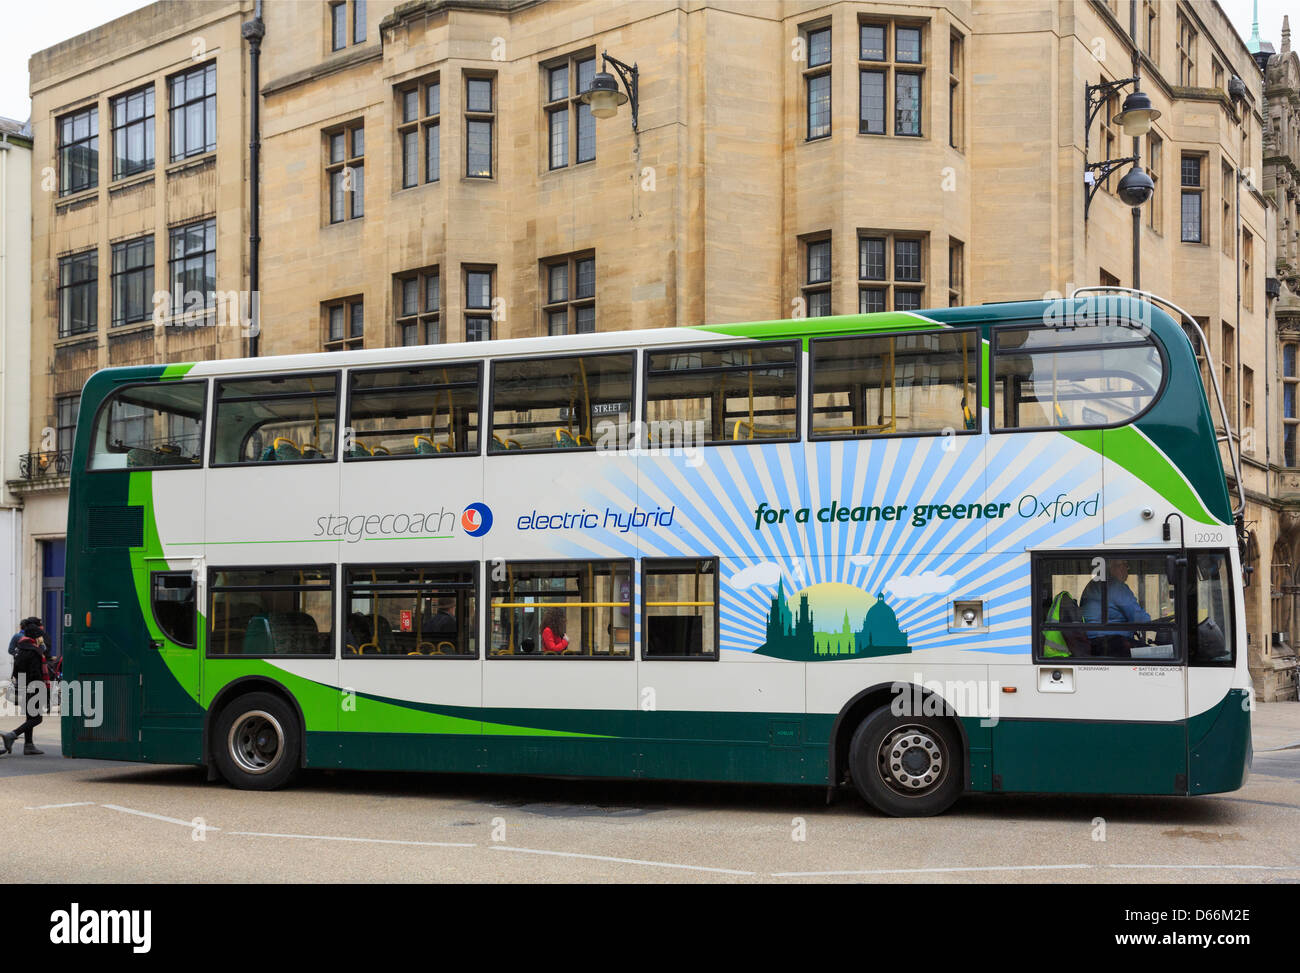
(1219, 688)
(174, 636)
(1103, 708)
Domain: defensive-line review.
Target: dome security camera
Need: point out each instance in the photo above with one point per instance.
(1136, 187)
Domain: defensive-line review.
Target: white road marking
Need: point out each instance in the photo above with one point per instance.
(161, 817)
(621, 861)
(1270, 868)
(919, 871)
(47, 807)
(658, 864)
(377, 841)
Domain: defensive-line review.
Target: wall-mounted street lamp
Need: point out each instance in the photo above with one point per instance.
(1136, 115)
(604, 97)
(1134, 118)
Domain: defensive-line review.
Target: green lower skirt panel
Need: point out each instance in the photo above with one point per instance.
(569, 757)
(1082, 757)
(1028, 756)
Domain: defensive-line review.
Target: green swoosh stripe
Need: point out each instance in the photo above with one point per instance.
(1129, 447)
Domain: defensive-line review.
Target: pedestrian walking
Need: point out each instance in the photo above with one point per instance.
(29, 665)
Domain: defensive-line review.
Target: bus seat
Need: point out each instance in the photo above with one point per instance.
(498, 443)
(282, 633)
(1060, 418)
(311, 451)
(424, 446)
(446, 648)
(443, 448)
(139, 457)
(565, 439)
(513, 444)
(584, 440)
(1065, 643)
(359, 449)
(286, 449)
(380, 451)
(968, 415)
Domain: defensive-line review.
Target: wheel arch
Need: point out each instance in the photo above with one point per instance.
(866, 702)
(239, 687)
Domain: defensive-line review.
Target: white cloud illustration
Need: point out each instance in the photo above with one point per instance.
(860, 560)
(763, 573)
(918, 585)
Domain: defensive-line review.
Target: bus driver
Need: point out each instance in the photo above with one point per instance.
(1121, 606)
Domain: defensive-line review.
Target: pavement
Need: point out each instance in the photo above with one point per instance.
(107, 821)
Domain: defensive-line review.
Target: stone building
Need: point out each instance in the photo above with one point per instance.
(429, 173)
(1281, 158)
(15, 345)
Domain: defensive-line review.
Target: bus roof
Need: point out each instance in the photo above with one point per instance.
(1116, 307)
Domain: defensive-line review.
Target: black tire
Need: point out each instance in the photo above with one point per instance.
(906, 766)
(257, 742)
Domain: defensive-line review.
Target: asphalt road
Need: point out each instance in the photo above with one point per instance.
(120, 822)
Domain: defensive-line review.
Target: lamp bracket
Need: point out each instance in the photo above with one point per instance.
(631, 81)
(1095, 95)
(1100, 172)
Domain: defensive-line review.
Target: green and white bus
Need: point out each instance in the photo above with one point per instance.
(970, 549)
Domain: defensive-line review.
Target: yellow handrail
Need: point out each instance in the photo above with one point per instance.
(451, 414)
(586, 396)
(755, 430)
(560, 604)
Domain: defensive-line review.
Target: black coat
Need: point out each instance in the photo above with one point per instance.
(28, 660)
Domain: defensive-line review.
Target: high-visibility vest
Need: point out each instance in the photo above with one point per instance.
(1054, 645)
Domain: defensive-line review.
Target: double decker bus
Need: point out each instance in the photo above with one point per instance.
(971, 549)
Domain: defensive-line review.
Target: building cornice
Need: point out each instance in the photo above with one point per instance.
(335, 64)
(424, 9)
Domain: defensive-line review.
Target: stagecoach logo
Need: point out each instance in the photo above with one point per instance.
(477, 519)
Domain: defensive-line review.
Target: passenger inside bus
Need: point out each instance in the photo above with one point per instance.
(553, 628)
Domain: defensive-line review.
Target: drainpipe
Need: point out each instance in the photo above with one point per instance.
(253, 31)
(1137, 151)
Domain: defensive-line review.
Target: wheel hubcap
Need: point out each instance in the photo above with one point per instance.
(256, 742)
(911, 760)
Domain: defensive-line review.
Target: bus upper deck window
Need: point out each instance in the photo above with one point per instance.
(917, 383)
(1101, 375)
(426, 411)
(708, 395)
(156, 426)
(568, 402)
(283, 419)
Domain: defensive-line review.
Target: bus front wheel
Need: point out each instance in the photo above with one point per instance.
(906, 766)
(257, 742)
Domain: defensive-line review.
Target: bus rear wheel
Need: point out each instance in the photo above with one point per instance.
(906, 766)
(257, 742)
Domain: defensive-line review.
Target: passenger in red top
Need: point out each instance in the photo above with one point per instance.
(552, 625)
